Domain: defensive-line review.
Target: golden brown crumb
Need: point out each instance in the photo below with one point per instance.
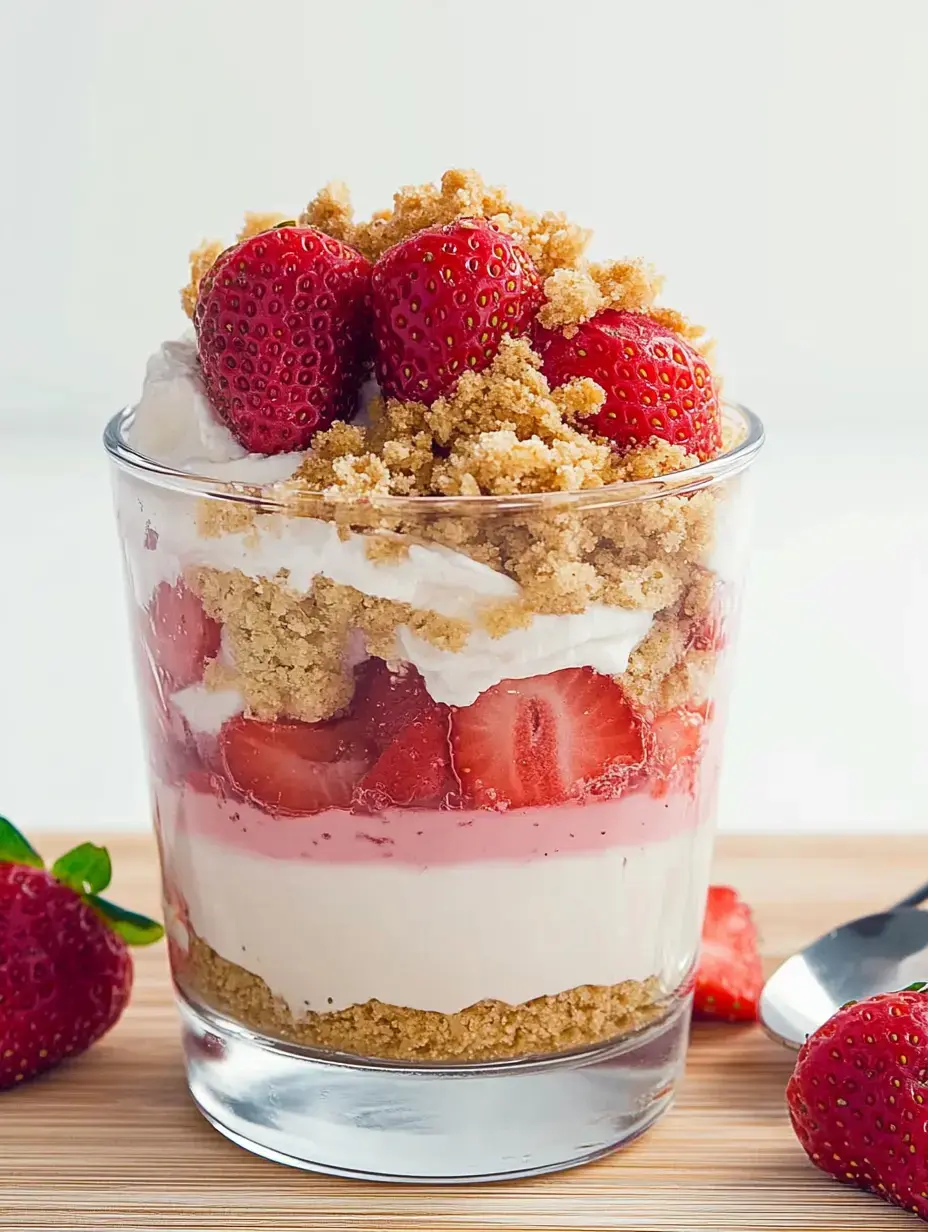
(585, 1015)
(202, 260)
(256, 222)
(289, 652)
(549, 239)
(628, 285)
(385, 550)
(222, 517)
(330, 211)
(573, 296)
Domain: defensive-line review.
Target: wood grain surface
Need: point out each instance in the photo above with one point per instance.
(113, 1141)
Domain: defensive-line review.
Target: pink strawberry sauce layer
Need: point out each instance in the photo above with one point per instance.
(428, 837)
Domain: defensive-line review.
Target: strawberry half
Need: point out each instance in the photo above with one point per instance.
(729, 977)
(655, 383)
(544, 739)
(442, 300)
(181, 637)
(857, 1097)
(415, 769)
(291, 769)
(283, 322)
(65, 971)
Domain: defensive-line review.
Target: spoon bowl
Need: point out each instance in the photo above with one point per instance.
(878, 953)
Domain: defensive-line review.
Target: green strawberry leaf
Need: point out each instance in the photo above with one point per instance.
(86, 869)
(15, 849)
(133, 928)
(916, 987)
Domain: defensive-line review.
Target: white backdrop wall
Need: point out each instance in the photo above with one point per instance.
(771, 156)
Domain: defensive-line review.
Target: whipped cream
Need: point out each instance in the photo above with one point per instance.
(205, 710)
(175, 424)
(429, 578)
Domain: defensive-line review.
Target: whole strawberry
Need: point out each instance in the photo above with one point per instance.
(283, 325)
(65, 971)
(857, 1097)
(443, 299)
(655, 383)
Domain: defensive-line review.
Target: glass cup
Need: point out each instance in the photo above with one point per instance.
(434, 785)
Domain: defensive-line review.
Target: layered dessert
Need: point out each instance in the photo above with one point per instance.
(432, 585)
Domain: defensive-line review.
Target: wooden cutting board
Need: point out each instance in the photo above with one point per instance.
(113, 1141)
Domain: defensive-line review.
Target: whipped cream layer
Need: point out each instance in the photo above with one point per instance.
(325, 936)
(429, 577)
(175, 424)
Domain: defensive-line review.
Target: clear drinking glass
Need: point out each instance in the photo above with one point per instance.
(454, 943)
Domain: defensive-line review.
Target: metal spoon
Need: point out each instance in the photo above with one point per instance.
(877, 953)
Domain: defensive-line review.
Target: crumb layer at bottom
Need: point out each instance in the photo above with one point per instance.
(487, 1031)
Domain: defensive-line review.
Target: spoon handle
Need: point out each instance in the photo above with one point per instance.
(913, 899)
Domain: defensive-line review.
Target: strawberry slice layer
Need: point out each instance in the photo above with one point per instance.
(290, 769)
(182, 637)
(415, 769)
(386, 702)
(729, 977)
(545, 739)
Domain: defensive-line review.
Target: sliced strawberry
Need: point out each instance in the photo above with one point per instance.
(677, 735)
(414, 769)
(181, 635)
(729, 977)
(169, 743)
(386, 702)
(289, 769)
(544, 739)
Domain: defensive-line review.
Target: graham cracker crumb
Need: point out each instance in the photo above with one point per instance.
(330, 211)
(258, 221)
(386, 551)
(631, 286)
(202, 260)
(489, 1030)
(500, 431)
(289, 652)
(220, 517)
(573, 296)
(549, 239)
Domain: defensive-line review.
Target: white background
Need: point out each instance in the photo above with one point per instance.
(769, 156)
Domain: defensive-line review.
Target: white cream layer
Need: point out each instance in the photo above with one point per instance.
(325, 936)
(174, 423)
(431, 578)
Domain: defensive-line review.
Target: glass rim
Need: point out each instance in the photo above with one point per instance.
(624, 492)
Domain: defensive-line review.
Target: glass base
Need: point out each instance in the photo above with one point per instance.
(393, 1121)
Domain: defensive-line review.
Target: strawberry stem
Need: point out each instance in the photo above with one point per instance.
(15, 848)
